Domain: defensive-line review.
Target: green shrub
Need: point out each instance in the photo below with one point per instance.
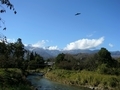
(13, 79)
(103, 69)
(20, 87)
(84, 78)
(112, 82)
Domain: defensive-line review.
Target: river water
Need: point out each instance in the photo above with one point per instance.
(42, 83)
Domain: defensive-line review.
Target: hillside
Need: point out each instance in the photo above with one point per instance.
(46, 53)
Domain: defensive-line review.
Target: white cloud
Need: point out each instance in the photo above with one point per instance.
(42, 44)
(111, 45)
(53, 48)
(84, 44)
(39, 44)
(25, 45)
(11, 40)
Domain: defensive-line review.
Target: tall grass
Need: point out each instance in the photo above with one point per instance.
(13, 79)
(20, 87)
(85, 78)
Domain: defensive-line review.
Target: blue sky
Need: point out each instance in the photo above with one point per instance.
(53, 24)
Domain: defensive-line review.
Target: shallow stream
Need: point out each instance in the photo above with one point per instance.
(42, 83)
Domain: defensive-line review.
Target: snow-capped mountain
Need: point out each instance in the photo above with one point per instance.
(46, 53)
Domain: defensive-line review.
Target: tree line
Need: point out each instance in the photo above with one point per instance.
(101, 62)
(14, 55)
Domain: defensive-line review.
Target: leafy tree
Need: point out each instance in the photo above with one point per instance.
(66, 61)
(36, 61)
(10, 50)
(104, 57)
(60, 58)
(3, 55)
(118, 59)
(38, 58)
(19, 53)
(3, 61)
(32, 57)
(19, 49)
(2, 47)
(32, 64)
(103, 69)
(91, 62)
(12, 56)
(71, 62)
(27, 55)
(2, 9)
(6, 58)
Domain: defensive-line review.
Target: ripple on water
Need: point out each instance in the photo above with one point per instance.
(45, 84)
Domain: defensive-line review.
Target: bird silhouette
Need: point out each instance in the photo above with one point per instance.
(77, 14)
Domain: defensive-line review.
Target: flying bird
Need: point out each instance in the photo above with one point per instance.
(77, 14)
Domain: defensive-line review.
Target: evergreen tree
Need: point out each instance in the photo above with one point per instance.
(19, 49)
(104, 57)
(60, 58)
(32, 57)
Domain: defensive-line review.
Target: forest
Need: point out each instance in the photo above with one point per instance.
(14, 63)
(101, 61)
(98, 71)
(13, 55)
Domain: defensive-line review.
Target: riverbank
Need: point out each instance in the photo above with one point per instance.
(13, 79)
(84, 78)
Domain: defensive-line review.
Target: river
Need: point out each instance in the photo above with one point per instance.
(42, 83)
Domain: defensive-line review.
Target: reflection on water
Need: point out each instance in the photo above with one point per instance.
(42, 83)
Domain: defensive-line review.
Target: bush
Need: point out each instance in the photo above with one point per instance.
(113, 82)
(13, 79)
(103, 69)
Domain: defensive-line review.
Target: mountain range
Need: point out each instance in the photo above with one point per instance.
(46, 53)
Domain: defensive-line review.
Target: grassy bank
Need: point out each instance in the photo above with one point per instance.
(20, 87)
(13, 79)
(85, 78)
